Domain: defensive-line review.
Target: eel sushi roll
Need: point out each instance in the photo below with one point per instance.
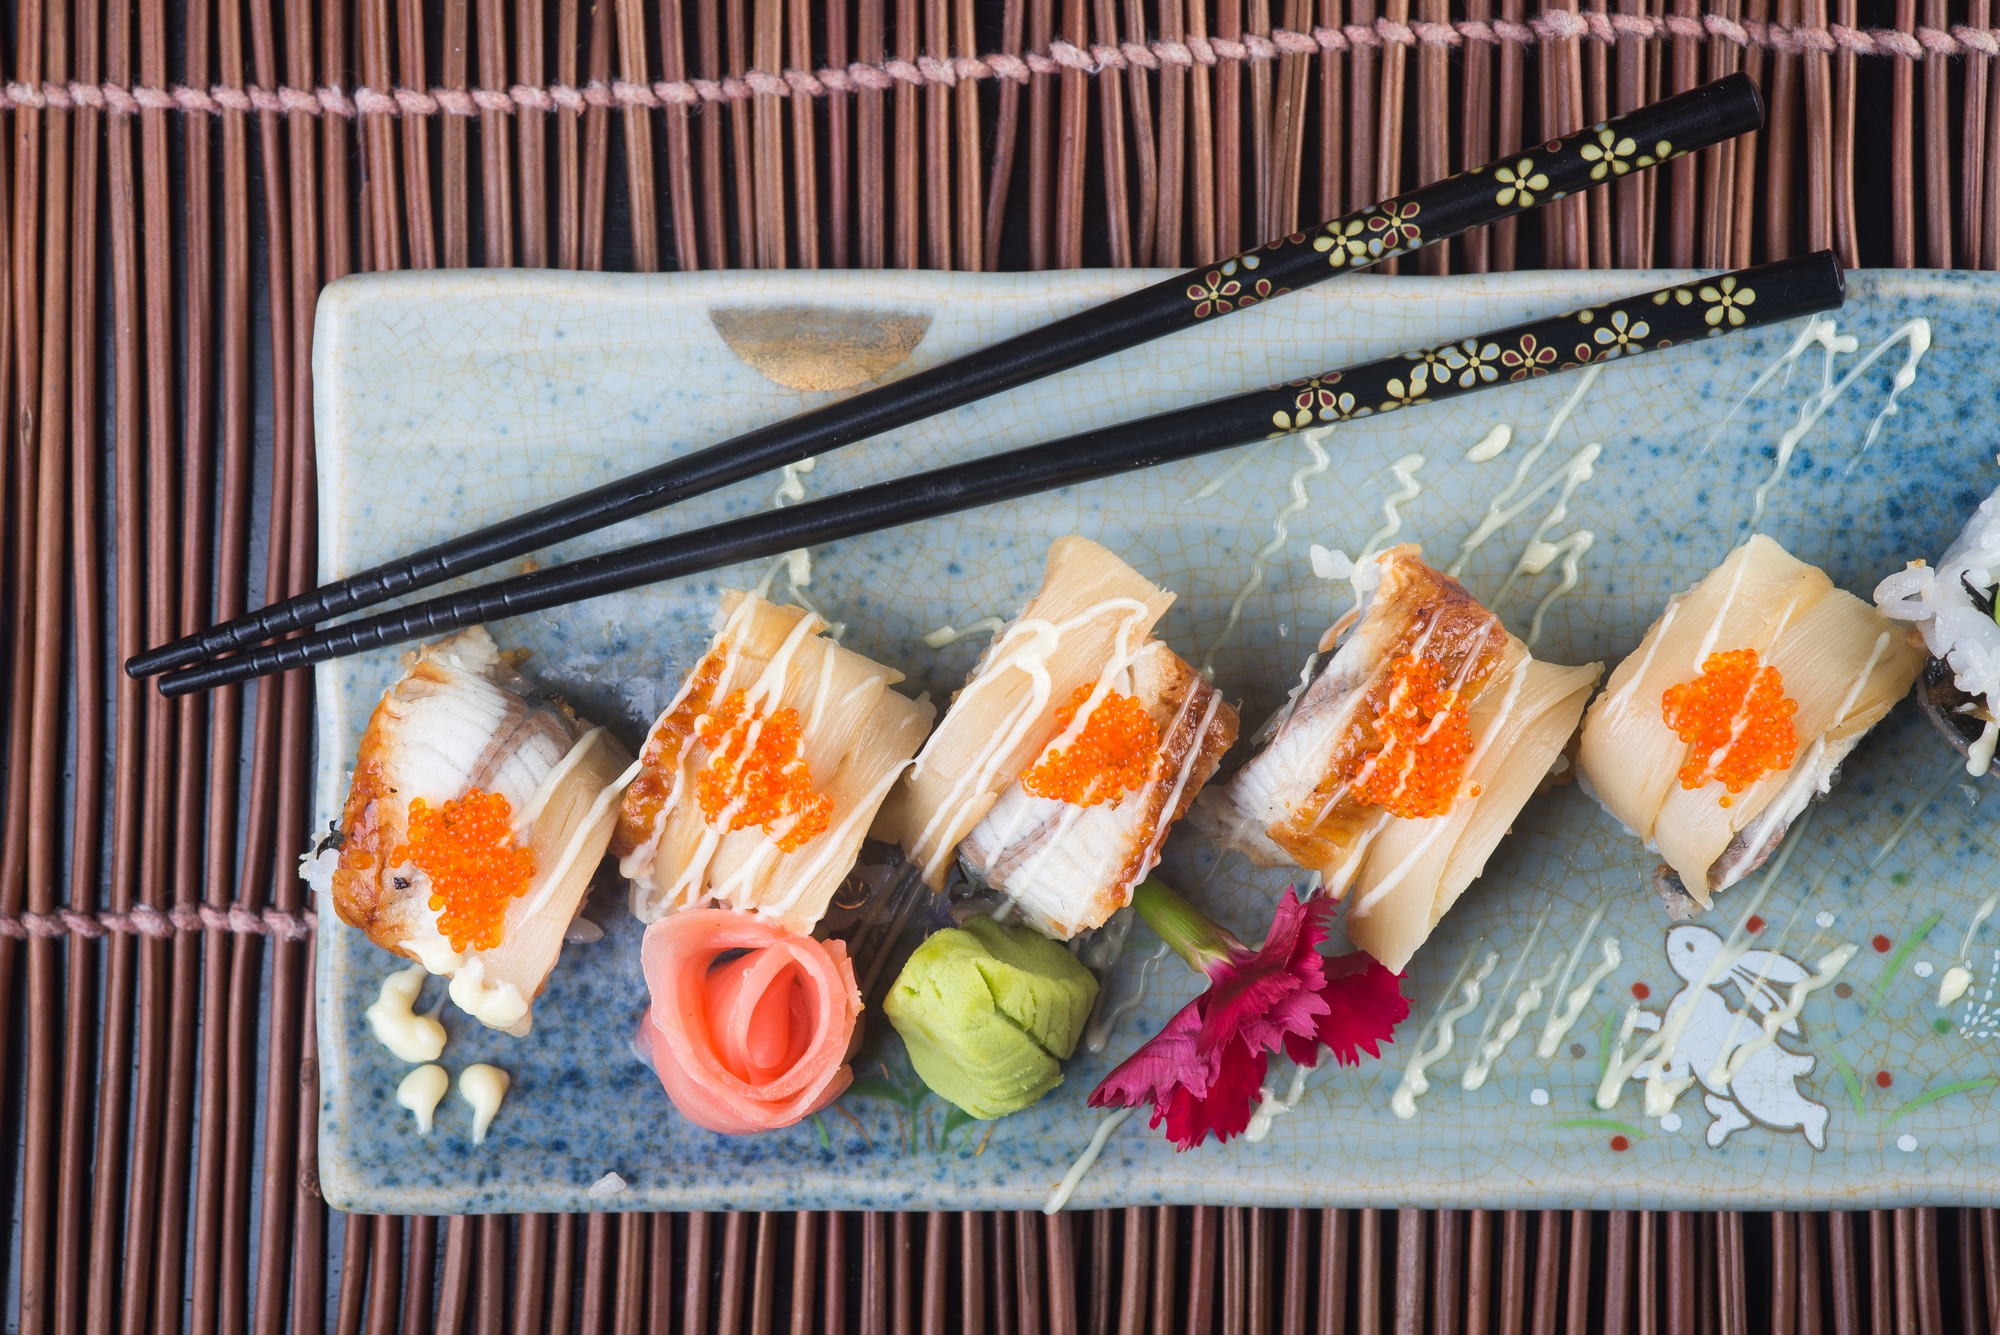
(759, 781)
(479, 810)
(1736, 709)
(1073, 748)
(1397, 769)
(1950, 609)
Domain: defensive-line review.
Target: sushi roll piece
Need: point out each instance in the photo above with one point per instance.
(1397, 769)
(1736, 709)
(759, 781)
(479, 810)
(1073, 748)
(1950, 609)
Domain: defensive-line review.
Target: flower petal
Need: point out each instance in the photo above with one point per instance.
(1163, 1062)
(1364, 1005)
(1226, 1111)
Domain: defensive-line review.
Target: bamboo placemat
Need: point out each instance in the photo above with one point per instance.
(178, 183)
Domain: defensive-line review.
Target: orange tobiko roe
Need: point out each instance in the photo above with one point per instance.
(756, 773)
(466, 847)
(1424, 735)
(1736, 720)
(1113, 754)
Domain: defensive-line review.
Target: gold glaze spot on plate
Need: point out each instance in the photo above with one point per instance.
(819, 347)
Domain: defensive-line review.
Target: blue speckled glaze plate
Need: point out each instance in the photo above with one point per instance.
(450, 400)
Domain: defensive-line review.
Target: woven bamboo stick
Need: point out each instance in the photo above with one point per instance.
(1193, 158)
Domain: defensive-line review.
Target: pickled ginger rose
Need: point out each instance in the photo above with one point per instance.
(756, 1043)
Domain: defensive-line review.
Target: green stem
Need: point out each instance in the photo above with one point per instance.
(1183, 926)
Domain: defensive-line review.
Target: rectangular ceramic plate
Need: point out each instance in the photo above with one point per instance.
(446, 401)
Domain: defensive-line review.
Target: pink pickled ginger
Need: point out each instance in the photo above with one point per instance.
(755, 1044)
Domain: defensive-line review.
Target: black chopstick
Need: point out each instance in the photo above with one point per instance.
(1726, 303)
(1668, 129)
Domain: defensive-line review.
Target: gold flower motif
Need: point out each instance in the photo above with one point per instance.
(1317, 396)
(1403, 395)
(1519, 183)
(1397, 225)
(1343, 242)
(1316, 400)
(1479, 362)
(1661, 152)
(1610, 154)
(1621, 333)
(1216, 293)
(1439, 364)
(1725, 302)
(1531, 358)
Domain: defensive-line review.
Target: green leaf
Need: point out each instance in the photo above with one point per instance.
(825, 1141)
(1941, 1092)
(1599, 1124)
(1894, 968)
(1852, 1081)
(1604, 1039)
(953, 1120)
(868, 1087)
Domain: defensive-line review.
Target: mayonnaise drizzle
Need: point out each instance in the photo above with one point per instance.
(1570, 1009)
(1313, 438)
(1098, 1032)
(768, 686)
(1366, 573)
(1959, 976)
(607, 797)
(1572, 549)
(1537, 555)
(1821, 329)
(1026, 646)
(1623, 696)
(1917, 808)
(1829, 965)
(1503, 508)
(949, 634)
(1620, 1065)
(1270, 1107)
(1486, 1049)
(797, 563)
(1438, 825)
(1804, 774)
(1404, 1101)
(1067, 1187)
(1225, 477)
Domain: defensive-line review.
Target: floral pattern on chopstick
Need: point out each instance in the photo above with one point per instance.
(1316, 401)
(1726, 301)
(1589, 336)
(1220, 290)
(1529, 357)
(1520, 184)
(1378, 232)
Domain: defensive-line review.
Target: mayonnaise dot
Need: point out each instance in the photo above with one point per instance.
(420, 1091)
(483, 1087)
(412, 1037)
(1954, 984)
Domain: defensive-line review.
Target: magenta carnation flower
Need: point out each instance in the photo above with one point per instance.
(1203, 1072)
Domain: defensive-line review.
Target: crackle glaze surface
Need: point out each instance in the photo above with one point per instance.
(450, 400)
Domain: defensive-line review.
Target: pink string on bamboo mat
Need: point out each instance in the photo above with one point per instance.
(1550, 25)
(145, 920)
